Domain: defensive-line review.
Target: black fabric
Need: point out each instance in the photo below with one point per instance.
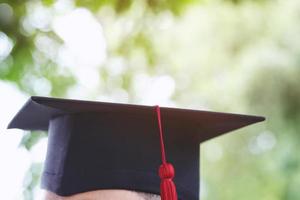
(95, 145)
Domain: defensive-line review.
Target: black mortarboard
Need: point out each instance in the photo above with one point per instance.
(97, 145)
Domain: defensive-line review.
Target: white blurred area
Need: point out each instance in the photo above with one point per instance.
(14, 160)
(84, 49)
(84, 43)
(5, 46)
(154, 90)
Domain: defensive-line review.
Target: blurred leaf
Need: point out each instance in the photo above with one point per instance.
(119, 5)
(32, 180)
(48, 2)
(29, 139)
(177, 7)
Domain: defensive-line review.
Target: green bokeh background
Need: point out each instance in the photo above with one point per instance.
(224, 55)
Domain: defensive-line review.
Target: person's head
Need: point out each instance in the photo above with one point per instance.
(104, 195)
(95, 146)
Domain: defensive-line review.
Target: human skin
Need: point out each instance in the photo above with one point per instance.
(98, 195)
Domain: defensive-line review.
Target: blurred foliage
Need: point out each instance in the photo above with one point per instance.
(226, 55)
(26, 63)
(121, 6)
(30, 139)
(32, 180)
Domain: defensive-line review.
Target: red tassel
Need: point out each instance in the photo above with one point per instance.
(166, 170)
(167, 186)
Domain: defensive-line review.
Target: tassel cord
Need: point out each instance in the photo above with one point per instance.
(166, 170)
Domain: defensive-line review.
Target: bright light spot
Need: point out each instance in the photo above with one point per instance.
(42, 86)
(117, 95)
(116, 66)
(87, 77)
(166, 21)
(213, 151)
(12, 157)
(83, 37)
(63, 6)
(203, 188)
(38, 151)
(46, 45)
(39, 16)
(157, 90)
(11, 101)
(6, 46)
(263, 142)
(40, 194)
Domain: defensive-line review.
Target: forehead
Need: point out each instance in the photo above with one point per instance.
(104, 195)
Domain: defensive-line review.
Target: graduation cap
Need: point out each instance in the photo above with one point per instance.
(97, 145)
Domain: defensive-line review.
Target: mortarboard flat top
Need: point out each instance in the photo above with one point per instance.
(97, 145)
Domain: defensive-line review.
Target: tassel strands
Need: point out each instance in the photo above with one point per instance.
(166, 170)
